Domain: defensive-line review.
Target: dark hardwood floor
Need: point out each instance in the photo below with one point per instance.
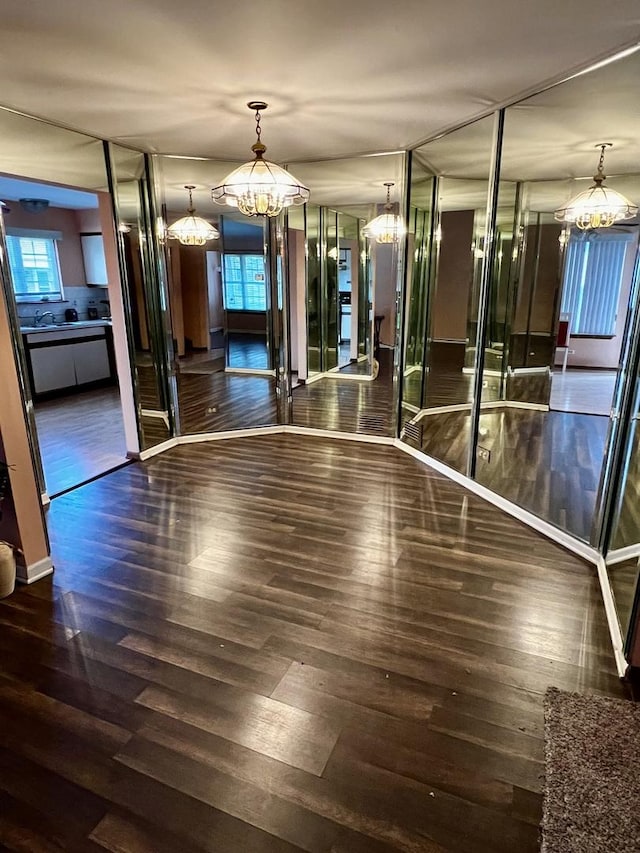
(346, 405)
(546, 462)
(216, 402)
(286, 643)
(80, 436)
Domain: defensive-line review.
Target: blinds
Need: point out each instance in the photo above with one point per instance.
(34, 266)
(592, 282)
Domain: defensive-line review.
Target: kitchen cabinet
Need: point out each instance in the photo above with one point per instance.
(67, 359)
(95, 264)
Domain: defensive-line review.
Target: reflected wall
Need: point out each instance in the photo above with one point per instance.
(449, 204)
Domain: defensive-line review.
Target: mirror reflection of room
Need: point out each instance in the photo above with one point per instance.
(219, 300)
(343, 288)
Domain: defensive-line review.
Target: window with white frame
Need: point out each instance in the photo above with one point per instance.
(35, 269)
(592, 281)
(244, 283)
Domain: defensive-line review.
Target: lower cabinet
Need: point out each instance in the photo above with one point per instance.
(61, 360)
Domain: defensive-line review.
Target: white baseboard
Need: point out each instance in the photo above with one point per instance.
(157, 448)
(251, 371)
(576, 546)
(35, 571)
(621, 554)
(612, 617)
(197, 438)
(342, 436)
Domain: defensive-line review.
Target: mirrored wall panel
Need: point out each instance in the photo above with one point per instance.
(449, 208)
(62, 282)
(344, 294)
(145, 300)
(559, 301)
(220, 301)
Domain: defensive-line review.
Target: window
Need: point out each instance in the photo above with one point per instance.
(244, 283)
(592, 282)
(35, 270)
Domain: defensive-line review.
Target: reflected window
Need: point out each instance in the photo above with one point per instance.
(35, 268)
(244, 283)
(592, 282)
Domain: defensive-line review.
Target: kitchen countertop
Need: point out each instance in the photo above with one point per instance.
(55, 327)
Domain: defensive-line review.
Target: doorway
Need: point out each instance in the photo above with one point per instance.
(59, 287)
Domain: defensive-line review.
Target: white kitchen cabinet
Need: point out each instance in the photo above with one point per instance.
(95, 264)
(91, 360)
(53, 367)
(61, 359)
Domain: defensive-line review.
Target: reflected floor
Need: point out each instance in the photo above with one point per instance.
(81, 436)
(243, 351)
(348, 405)
(221, 401)
(588, 392)
(546, 462)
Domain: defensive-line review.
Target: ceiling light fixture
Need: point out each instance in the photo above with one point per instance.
(34, 205)
(388, 227)
(192, 230)
(259, 187)
(599, 206)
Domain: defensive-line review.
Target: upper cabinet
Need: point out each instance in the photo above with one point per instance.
(95, 265)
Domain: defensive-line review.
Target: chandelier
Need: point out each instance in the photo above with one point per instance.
(388, 227)
(192, 230)
(259, 187)
(599, 206)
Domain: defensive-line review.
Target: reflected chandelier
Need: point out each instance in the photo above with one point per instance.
(192, 230)
(259, 187)
(388, 227)
(599, 206)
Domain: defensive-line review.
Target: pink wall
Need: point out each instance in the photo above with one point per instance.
(69, 248)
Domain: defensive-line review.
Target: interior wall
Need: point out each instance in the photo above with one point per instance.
(214, 287)
(69, 248)
(384, 300)
(455, 276)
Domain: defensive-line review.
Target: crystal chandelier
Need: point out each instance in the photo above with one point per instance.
(388, 227)
(259, 187)
(599, 206)
(192, 230)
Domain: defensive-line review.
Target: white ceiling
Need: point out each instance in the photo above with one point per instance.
(342, 77)
(12, 189)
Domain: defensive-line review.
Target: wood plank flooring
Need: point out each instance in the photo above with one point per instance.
(80, 436)
(284, 643)
(547, 462)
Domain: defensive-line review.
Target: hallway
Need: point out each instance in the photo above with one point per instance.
(280, 644)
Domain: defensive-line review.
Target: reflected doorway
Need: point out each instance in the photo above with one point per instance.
(59, 287)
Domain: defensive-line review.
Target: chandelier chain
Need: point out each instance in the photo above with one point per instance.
(258, 128)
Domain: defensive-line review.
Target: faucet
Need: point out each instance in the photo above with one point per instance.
(38, 317)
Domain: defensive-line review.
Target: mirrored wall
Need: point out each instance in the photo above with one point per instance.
(344, 291)
(521, 327)
(222, 304)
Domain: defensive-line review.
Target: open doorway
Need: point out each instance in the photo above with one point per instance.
(60, 288)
